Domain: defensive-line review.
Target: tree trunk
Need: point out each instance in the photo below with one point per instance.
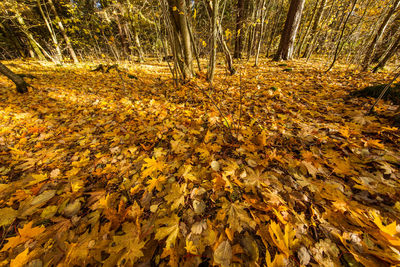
(22, 86)
(308, 28)
(339, 42)
(13, 40)
(252, 30)
(387, 39)
(261, 32)
(377, 36)
(239, 34)
(180, 39)
(214, 36)
(391, 52)
(138, 44)
(64, 34)
(122, 39)
(221, 39)
(314, 29)
(31, 40)
(59, 57)
(285, 50)
(274, 27)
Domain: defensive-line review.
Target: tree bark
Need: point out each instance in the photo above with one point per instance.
(285, 50)
(390, 53)
(377, 36)
(63, 32)
(314, 29)
(181, 37)
(29, 35)
(22, 86)
(252, 30)
(138, 44)
(277, 19)
(261, 32)
(59, 57)
(239, 34)
(221, 39)
(308, 29)
(339, 42)
(214, 36)
(387, 39)
(13, 40)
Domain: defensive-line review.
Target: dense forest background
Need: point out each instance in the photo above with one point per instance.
(361, 32)
(199, 133)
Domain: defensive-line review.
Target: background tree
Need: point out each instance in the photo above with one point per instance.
(242, 6)
(21, 85)
(378, 34)
(285, 50)
(214, 38)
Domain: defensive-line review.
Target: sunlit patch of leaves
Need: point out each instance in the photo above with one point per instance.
(98, 169)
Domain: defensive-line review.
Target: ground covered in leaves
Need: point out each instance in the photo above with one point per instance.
(274, 166)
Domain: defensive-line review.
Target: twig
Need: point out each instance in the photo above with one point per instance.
(218, 108)
(240, 103)
(387, 87)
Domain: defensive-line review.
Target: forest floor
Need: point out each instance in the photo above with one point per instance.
(276, 165)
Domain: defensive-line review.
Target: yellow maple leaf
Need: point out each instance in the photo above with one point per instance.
(237, 216)
(130, 244)
(21, 259)
(190, 247)
(156, 182)
(374, 143)
(26, 233)
(179, 146)
(170, 229)
(285, 239)
(152, 165)
(176, 195)
(389, 231)
(279, 259)
(343, 166)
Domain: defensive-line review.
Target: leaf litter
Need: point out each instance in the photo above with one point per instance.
(272, 168)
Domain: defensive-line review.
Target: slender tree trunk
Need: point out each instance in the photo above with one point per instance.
(314, 29)
(285, 50)
(225, 49)
(221, 39)
(29, 35)
(261, 33)
(63, 32)
(390, 53)
(196, 54)
(239, 34)
(274, 27)
(134, 27)
(59, 56)
(138, 44)
(214, 36)
(316, 39)
(304, 38)
(186, 43)
(252, 30)
(122, 38)
(14, 41)
(387, 39)
(339, 42)
(377, 36)
(175, 19)
(22, 86)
